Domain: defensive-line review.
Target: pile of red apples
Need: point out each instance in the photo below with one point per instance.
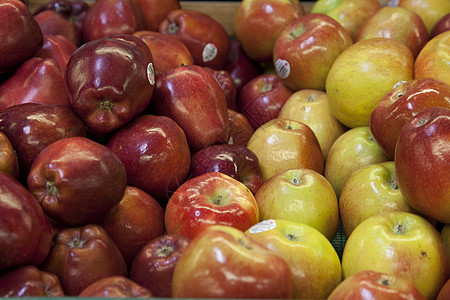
(146, 150)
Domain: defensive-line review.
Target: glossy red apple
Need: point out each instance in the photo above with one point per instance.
(236, 161)
(20, 34)
(29, 281)
(306, 48)
(167, 51)
(115, 287)
(54, 23)
(154, 265)
(58, 47)
(136, 220)
(262, 98)
(76, 180)
(30, 127)
(422, 161)
(194, 99)
(155, 153)
(442, 25)
(101, 93)
(82, 255)
(401, 104)
(38, 80)
(205, 37)
(24, 230)
(445, 291)
(241, 67)
(109, 17)
(370, 284)
(227, 84)
(155, 11)
(8, 158)
(239, 127)
(209, 199)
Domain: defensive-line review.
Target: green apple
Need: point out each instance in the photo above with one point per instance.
(300, 195)
(402, 244)
(369, 191)
(354, 149)
(314, 263)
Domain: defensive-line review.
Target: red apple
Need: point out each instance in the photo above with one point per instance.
(155, 11)
(223, 262)
(24, 230)
(154, 265)
(30, 127)
(209, 199)
(422, 161)
(368, 284)
(167, 51)
(76, 180)
(136, 220)
(227, 84)
(396, 23)
(20, 34)
(109, 17)
(110, 81)
(115, 287)
(241, 67)
(401, 104)
(38, 80)
(306, 48)
(194, 99)
(236, 161)
(8, 158)
(155, 153)
(445, 291)
(72, 10)
(29, 281)
(262, 98)
(82, 255)
(54, 23)
(205, 37)
(257, 24)
(58, 47)
(442, 25)
(239, 127)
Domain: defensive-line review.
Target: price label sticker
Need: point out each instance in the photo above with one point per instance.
(209, 52)
(283, 68)
(262, 226)
(151, 74)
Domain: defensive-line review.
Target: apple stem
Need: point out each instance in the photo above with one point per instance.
(217, 200)
(399, 229)
(385, 281)
(292, 237)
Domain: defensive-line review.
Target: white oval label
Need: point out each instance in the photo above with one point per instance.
(151, 74)
(283, 68)
(209, 52)
(262, 226)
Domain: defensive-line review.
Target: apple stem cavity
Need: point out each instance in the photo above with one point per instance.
(292, 237)
(164, 251)
(51, 188)
(385, 281)
(399, 229)
(266, 87)
(105, 104)
(295, 181)
(173, 28)
(243, 244)
(76, 243)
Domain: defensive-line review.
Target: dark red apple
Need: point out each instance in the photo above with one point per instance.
(110, 81)
(227, 84)
(108, 17)
(58, 47)
(24, 230)
(38, 80)
(8, 158)
(422, 161)
(155, 153)
(72, 10)
(240, 129)
(401, 104)
(442, 25)
(155, 11)
(20, 34)
(54, 23)
(80, 256)
(116, 287)
(236, 161)
(205, 37)
(240, 66)
(32, 126)
(194, 99)
(136, 220)
(262, 98)
(76, 180)
(29, 281)
(154, 265)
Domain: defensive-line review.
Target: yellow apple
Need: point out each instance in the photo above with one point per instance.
(282, 144)
(363, 74)
(314, 263)
(369, 191)
(354, 149)
(300, 195)
(431, 11)
(311, 107)
(402, 244)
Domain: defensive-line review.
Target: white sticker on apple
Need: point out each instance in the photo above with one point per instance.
(151, 74)
(262, 226)
(283, 68)
(209, 52)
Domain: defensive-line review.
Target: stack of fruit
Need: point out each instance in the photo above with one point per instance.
(148, 151)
